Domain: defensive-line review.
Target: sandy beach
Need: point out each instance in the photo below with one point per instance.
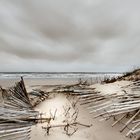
(100, 130)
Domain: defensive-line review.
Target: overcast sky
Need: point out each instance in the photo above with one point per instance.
(69, 35)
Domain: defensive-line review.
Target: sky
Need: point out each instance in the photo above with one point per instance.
(69, 35)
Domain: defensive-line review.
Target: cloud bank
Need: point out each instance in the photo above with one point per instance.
(75, 35)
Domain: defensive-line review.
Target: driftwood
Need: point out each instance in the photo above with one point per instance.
(119, 120)
(69, 124)
(126, 106)
(66, 127)
(16, 113)
(16, 108)
(129, 121)
(120, 107)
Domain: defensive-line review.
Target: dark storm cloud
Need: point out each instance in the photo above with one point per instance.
(90, 33)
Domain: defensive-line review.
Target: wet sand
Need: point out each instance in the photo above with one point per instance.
(37, 82)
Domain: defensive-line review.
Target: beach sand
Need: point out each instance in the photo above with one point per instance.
(99, 130)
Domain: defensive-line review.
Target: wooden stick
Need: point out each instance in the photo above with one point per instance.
(129, 121)
(123, 116)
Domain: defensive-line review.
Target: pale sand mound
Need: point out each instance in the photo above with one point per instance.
(99, 130)
(111, 88)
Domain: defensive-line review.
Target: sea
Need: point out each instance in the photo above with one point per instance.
(59, 75)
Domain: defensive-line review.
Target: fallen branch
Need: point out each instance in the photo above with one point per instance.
(66, 127)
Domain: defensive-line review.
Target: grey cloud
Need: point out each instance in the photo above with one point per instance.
(74, 22)
(75, 32)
